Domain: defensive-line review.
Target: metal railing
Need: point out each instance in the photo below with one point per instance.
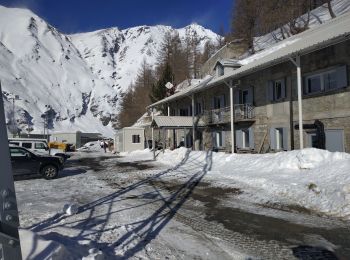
(217, 116)
(244, 112)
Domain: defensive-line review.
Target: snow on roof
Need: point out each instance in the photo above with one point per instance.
(174, 121)
(228, 63)
(186, 91)
(329, 33)
(187, 83)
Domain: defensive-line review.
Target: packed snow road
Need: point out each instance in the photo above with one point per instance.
(133, 207)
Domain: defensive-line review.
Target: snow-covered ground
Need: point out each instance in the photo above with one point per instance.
(314, 179)
(106, 206)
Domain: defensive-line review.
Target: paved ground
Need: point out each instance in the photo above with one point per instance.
(141, 210)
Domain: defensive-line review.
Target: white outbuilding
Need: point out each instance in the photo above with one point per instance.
(130, 139)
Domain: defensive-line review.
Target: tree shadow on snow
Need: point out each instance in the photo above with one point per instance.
(141, 232)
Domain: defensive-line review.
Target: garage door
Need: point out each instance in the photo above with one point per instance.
(335, 140)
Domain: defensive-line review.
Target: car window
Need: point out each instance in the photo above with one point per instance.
(14, 143)
(27, 145)
(40, 146)
(17, 152)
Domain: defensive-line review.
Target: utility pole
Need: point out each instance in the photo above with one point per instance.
(9, 239)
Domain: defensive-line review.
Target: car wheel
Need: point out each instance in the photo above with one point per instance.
(49, 172)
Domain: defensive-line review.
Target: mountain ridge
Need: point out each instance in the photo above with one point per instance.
(76, 81)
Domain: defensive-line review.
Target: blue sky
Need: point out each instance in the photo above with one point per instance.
(71, 16)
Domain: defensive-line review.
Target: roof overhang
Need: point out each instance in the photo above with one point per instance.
(173, 122)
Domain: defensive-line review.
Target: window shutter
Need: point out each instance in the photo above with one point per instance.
(213, 137)
(213, 103)
(269, 90)
(273, 138)
(342, 79)
(222, 101)
(283, 86)
(251, 138)
(223, 138)
(305, 86)
(285, 138)
(250, 95)
(239, 139)
(236, 97)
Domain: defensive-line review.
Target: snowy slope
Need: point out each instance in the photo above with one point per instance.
(78, 80)
(115, 55)
(317, 17)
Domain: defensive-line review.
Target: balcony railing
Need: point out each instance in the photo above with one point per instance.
(242, 112)
(217, 116)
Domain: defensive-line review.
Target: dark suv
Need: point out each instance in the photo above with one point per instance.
(25, 162)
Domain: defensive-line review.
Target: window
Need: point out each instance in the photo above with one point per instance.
(199, 110)
(220, 70)
(245, 96)
(136, 139)
(40, 146)
(17, 152)
(276, 90)
(183, 112)
(327, 80)
(330, 80)
(245, 138)
(219, 139)
(14, 143)
(314, 84)
(27, 145)
(279, 138)
(219, 102)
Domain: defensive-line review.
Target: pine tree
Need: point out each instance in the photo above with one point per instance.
(159, 91)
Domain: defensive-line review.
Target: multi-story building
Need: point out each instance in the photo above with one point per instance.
(295, 94)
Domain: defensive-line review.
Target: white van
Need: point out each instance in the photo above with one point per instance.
(37, 145)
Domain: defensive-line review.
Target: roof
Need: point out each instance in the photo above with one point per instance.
(228, 63)
(187, 91)
(174, 121)
(329, 33)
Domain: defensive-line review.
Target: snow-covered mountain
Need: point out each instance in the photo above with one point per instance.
(77, 80)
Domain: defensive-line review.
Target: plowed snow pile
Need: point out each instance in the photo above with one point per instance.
(311, 178)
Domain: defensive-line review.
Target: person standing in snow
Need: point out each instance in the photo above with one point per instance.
(105, 146)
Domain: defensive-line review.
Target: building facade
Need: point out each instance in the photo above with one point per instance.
(262, 114)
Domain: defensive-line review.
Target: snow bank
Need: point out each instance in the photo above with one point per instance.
(311, 178)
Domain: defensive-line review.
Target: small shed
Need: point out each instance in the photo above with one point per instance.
(130, 139)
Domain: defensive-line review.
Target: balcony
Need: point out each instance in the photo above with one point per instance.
(242, 112)
(217, 116)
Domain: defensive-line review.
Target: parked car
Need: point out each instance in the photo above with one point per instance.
(38, 146)
(26, 162)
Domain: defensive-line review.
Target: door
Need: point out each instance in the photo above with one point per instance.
(23, 162)
(334, 140)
